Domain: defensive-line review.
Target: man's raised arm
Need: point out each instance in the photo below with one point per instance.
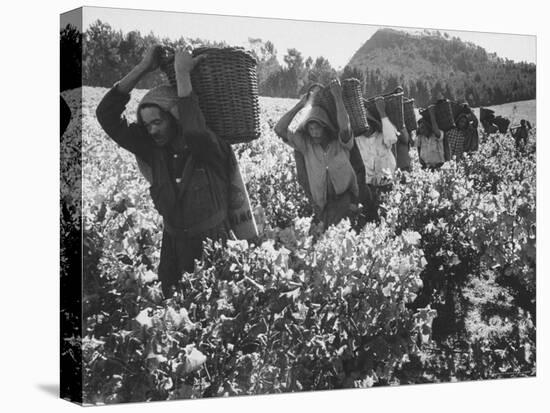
(109, 111)
(202, 141)
(344, 129)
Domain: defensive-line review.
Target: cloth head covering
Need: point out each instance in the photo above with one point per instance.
(319, 115)
(461, 115)
(163, 96)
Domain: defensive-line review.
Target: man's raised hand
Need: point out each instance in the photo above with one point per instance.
(151, 60)
(184, 62)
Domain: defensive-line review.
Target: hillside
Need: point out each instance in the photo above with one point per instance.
(430, 63)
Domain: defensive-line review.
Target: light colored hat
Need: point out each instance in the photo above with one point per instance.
(163, 96)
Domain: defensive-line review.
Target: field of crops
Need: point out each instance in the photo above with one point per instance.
(442, 289)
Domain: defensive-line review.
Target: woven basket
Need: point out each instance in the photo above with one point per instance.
(443, 115)
(409, 116)
(226, 84)
(502, 124)
(486, 114)
(353, 102)
(325, 100)
(352, 97)
(394, 108)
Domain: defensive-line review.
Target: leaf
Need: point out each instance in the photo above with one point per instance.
(293, 294)
(403, 268)
(455, 260)
(282, 258)
(153, 360)
(144, 319)
(412, 237)
(178, 320)
(154, 293)
(301, 314)
(148, 277)
(194, 360)
(433, 194)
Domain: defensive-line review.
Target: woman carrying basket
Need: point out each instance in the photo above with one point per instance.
(377, 155)
(326, 151)
(430, 142)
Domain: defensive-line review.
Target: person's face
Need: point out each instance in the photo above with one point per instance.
(462, 123)
(316, 131)
(158, 124)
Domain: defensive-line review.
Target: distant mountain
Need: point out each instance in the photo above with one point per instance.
(429, 63)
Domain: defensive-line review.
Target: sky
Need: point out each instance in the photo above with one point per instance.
(335, 41)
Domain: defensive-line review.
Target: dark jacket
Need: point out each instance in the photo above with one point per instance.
(201, 193)
(192, 199)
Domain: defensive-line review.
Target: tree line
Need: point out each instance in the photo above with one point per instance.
(109, 54)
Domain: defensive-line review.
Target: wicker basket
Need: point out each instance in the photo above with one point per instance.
(394, 108)
(502, 124)
(486, 114)
(325, 100)
(409, 116)
(353, 102)
(351, 95)
(226, 84)
(443, 115)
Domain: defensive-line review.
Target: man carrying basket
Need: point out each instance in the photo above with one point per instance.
(190, 165)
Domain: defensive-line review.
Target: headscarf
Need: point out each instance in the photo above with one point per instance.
(319, 115)
(165, 97)
(461, 115)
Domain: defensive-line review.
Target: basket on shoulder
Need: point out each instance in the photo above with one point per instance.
(399, 109)
(446, 113)
(351, 95)
(226, 84)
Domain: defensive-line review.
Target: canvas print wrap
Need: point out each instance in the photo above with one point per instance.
(246, 214)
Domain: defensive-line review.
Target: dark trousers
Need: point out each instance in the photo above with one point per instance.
(370, 209)
(432, 167)
(336, 209)
(177, 255)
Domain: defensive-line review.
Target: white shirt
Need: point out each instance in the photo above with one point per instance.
(377, 154)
